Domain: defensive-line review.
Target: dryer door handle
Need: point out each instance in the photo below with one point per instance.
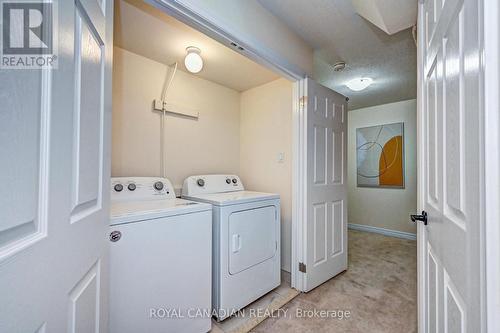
(236, 243)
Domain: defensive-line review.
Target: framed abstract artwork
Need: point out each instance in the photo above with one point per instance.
(380, 156)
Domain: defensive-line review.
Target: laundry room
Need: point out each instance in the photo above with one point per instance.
(185, 104)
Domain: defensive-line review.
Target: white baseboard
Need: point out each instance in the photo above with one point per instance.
(382, 231)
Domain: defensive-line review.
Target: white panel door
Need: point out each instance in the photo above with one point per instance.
(451, 182)
(54, 170)
(325, 124)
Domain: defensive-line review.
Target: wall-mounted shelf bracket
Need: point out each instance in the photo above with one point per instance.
(159, 105)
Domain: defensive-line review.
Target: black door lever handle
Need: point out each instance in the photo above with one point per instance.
(422, 217)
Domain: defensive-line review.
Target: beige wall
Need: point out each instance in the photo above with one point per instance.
(240, 133)
(207, 145)
(379, 207)
(265, 132)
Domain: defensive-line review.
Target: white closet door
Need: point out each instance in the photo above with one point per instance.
(325, 115)
(451, 163)
(55, 130)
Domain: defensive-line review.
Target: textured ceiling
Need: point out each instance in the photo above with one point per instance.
(147, 31)
(336, 32)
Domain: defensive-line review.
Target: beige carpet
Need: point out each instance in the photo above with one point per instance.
(379, 289)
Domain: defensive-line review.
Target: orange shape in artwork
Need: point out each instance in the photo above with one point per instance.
(391, 163)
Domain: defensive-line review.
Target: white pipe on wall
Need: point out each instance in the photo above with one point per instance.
(168, 82)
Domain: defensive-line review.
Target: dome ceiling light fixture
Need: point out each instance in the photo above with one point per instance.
(359, 84)
(193, 60)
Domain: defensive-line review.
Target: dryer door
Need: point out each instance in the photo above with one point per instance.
(252, 237)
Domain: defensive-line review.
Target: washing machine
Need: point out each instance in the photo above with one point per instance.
(160, 259)
(246, 240)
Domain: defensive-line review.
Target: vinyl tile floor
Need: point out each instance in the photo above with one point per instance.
(259, 310)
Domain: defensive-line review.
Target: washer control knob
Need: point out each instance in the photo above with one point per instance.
(131, 187)
(228, 181)
(118, 187)
(158, 186)
(235, 180)
(200, 182)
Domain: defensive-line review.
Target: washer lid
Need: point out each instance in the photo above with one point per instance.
(135, 211)
(233, 198)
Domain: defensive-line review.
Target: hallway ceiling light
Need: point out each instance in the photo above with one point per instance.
(193, 60)
(359, 84)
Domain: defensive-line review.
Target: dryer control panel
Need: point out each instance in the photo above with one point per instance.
(141, 188)
(207, 184)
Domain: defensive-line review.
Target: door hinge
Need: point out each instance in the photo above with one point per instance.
(302, 267)
(302, 102)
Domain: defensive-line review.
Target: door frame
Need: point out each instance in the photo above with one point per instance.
(491, 53)
(489, 15)
(421, 236)
(257, 52)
